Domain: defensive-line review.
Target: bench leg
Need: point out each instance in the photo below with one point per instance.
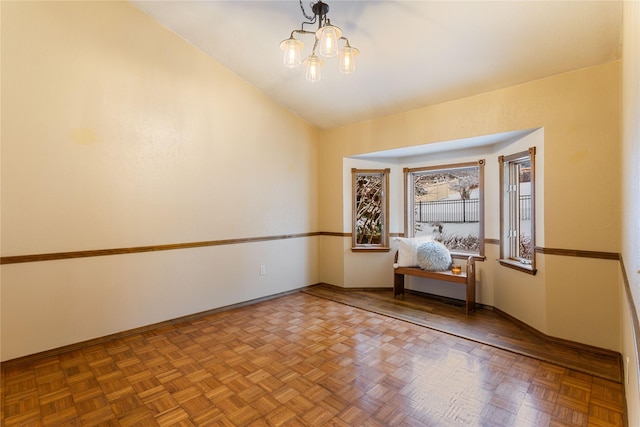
(471, 290)
(398, 284)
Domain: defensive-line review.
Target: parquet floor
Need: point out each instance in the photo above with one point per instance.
(302, 360)
(485, 326)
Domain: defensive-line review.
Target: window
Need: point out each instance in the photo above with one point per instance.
(517, 211)
(370, 209)
(447, 203)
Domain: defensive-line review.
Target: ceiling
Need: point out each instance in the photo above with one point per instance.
(412, 53)
(400, 154)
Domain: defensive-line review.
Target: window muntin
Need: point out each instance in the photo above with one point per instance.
(370, 209)
(517, 210)
(447, 203)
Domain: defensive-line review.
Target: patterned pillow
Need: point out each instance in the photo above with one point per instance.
(433, 256)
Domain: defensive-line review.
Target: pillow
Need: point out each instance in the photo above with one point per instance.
(433, 256)
(407, 248)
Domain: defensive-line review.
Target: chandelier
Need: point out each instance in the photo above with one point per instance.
(326, 41)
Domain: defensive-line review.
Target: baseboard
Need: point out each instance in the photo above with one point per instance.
(564, 342)
(118, 335)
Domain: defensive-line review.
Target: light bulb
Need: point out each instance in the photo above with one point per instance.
(313, 64)
(328, 36)
(292, 48)
(348, 60)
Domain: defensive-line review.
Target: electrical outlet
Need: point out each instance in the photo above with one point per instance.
(263, 270)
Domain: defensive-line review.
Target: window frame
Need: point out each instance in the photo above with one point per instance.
(409, 199)
(383, 246)
(506, 259)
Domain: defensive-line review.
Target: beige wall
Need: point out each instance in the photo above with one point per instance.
(117, 133)
(631, 199)
(580, 114)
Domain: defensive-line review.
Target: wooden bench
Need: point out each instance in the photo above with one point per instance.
(466, 277)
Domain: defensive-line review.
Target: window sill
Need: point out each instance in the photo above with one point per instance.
(525, 268)
(370, 249)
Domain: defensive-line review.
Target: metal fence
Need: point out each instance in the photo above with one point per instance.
(460, 210)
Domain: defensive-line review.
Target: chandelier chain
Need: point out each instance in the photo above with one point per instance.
(310, 18)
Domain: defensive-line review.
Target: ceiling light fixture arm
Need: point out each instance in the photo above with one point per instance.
(346, 41)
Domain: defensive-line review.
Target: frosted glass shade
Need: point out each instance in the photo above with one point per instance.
(328, 36)
(292, 48)
(313, 64)
(348, 60)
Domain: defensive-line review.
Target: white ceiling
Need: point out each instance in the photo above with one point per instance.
(412, 53)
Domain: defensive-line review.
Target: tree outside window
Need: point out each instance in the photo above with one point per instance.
(370, 209)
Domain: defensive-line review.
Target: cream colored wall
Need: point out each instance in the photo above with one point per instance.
(580, 115)
(631, 199)
(117, 133)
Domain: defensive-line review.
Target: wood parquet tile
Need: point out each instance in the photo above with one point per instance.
(302, 360)
(484, 326)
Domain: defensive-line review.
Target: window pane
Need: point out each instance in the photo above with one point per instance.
(525, 249)
(446, 206)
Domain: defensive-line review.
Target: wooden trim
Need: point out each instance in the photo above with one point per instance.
(387, 212)
(635, 323)
(341, 289)
(571, 344)
(501, 184)
(354, 180)
(481, 191)
(371, 249)
(332, 234)
(406, 200)
(532, 160)
(450, 166)
(529, 269)
(139, 249)
(578, 253)
(568, 252)
(118, 335)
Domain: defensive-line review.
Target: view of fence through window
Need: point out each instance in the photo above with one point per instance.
(446, 206)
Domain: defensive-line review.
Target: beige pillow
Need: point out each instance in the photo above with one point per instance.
(408, 250)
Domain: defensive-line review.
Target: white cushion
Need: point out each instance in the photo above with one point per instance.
(408, 248)
(433, 256)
